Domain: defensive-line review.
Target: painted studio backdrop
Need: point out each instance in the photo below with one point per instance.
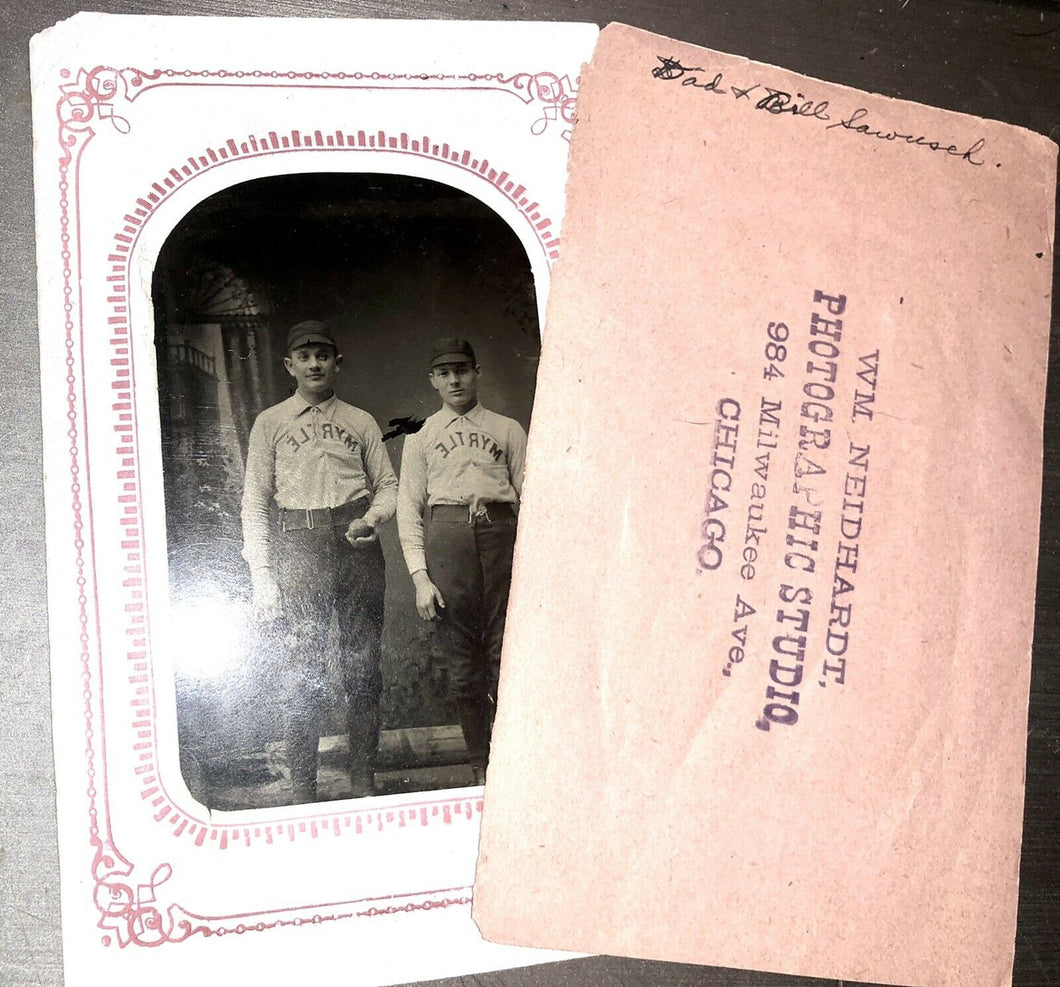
(391, 262)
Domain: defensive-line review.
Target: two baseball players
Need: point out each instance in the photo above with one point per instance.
(322, 462)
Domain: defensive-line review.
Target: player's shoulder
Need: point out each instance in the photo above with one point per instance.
(431, 424)
(351, 415)
(499, 422)
(439, 419)
(277, 412)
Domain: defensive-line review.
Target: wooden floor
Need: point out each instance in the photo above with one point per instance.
(413, 760)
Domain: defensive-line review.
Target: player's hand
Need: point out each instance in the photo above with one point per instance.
(268, 605)
(360, 532)
(429, 599)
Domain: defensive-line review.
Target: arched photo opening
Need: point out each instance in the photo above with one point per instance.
(390, 263)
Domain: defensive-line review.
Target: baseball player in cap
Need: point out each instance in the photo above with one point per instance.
(323, 463)
(463, 471)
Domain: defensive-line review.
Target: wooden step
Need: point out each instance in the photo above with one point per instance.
(410, 747)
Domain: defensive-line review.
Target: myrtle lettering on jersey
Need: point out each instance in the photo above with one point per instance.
(472, 460)
(793, 475)
(303, 457)
(329, 431)
(482, 441)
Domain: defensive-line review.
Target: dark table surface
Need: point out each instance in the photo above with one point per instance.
(993, 59)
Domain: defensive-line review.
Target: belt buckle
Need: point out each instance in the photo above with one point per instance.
(481, 513)
(309, 519)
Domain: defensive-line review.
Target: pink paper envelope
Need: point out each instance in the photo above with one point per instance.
(765, 679)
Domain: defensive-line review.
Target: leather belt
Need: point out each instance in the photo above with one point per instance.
(292, 519)
(487, 512)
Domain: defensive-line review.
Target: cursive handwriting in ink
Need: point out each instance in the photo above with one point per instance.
(777, 101)
(714, 86)
(671, 68)
(854, 123)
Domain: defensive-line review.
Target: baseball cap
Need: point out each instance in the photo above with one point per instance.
(451, 349)
(310, 331)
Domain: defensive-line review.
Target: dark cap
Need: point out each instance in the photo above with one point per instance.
(310, 332)
(451, 350)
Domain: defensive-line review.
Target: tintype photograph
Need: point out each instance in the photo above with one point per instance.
(346, 366)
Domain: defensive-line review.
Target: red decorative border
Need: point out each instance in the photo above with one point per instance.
(554, 95)
(129, 906)
(339, 140)
(94, 91)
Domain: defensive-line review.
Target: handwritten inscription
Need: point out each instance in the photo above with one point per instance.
(780, 102)
(854, 124)
(776, 101)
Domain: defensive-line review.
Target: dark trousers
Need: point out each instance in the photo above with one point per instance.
(471, 564)
(319, 573)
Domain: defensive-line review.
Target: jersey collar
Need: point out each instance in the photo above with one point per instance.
(299, 405)
(475, 416)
